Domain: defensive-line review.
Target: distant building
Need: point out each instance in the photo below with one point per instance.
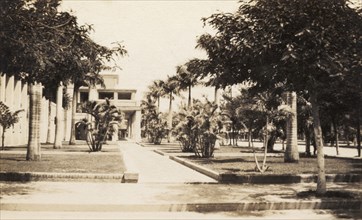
(123, 99)
(14, 94)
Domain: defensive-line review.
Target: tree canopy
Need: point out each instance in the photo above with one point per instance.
(302, 44)
(40, 43)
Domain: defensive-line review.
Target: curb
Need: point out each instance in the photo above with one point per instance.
(43, 176)
(131, 175)
(265, 179)
(200, 169)
(187, 207)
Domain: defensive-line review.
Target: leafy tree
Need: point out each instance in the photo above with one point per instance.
(39, 44)
(35, 41)
(98, 129)
(304, 45)
(7, 119)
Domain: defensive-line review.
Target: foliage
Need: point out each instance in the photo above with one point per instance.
(229, 112)
(7, 119)
(196, 128)
(99, 127)
(301, 45)
(187, 77)
(157, 128)
(156, 91)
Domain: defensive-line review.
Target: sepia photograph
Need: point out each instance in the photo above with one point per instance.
(180, 109)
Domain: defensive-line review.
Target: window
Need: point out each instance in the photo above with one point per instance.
(83, 97)
(124, 96)
(104, 95)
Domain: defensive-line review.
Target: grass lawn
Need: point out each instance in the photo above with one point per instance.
(224, 161)
(59, 162)
(306, 165)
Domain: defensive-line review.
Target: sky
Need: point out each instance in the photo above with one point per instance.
(158, 35)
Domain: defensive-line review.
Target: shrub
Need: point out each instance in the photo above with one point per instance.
(157, 128)
(99, 128)
(195, 130)
(7, 119)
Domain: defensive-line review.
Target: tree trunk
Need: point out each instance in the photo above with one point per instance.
(249, 137)
(158, 103)
(307, 141)
(336, 136)
(217, 97)
(3, 139)
(321, 182)
(266, 133)
(271, 142)
(74, 111)
(346, 133)
(169, 121)
(189, 103)
(34, 150)
(291, 154)
(49, 132)
(59, 126)
(359, 126)
(359, 137)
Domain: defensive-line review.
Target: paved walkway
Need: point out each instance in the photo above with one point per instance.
(59, 200)
(155, 168)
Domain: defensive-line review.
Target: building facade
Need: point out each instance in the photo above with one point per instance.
(14, 94)
(123, 99)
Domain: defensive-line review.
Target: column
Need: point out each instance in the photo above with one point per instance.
(93, 94)
(2, 88)
(9, 101)
(68, 115)
(136, 126)
(16, 100)
(24, 119)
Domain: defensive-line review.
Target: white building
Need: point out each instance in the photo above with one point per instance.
(14, 94)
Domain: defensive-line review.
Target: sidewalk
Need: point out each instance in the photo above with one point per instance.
(155, 168)
(154, 197)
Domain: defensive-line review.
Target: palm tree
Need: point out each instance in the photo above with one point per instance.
(90, 79)
(170, 87)
(291, 153)
(34, 150)
(59, 125)
(98, 130)
(187, 78)
(148, 110)
(156, 91)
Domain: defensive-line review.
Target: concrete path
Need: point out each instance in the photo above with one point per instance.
(85, 196)
(268, 214)
(155, 168)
